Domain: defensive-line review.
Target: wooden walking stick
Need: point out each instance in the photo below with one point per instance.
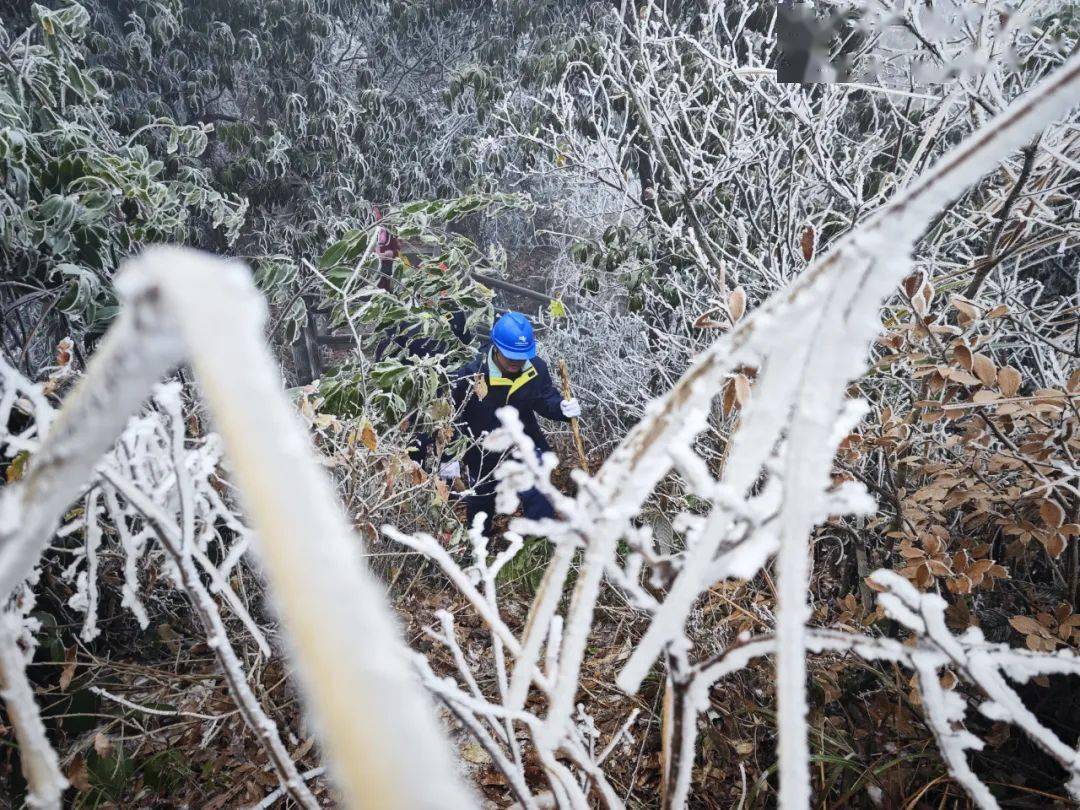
(573, 420)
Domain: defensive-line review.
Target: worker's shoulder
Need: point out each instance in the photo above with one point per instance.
(541, 367)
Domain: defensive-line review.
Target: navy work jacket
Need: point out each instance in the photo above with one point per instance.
(532, 393)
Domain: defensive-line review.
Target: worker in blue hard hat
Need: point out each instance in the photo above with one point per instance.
(506, 372)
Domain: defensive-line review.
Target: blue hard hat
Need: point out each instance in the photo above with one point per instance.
(512, 335)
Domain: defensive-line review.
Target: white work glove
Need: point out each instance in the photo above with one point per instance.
(571, 408)
(450, 469)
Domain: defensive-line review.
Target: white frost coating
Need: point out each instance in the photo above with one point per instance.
(943, 710)
(806, 342)
(980, 664)
(376, 725)
(40, 766)
(180, 547)
(90, 629)
(131, 546)
(833, 308)
(359, 683)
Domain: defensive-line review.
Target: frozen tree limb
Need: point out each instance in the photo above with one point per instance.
(40, 766)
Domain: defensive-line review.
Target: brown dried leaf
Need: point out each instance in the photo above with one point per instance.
(703, 321)
(1074, 381)
(17, 467)
(69, 669)
(103, 744)
(938, 568)
(480, 386)
(728, 398)
(78, 774)
(303, 749)
(963, 377)
(911, 284)
(1055, 545)
(1051, 513)
(1026, 625)
(984, 368)
(1009, 380)
(442, 492)
(367, 436)
(967, 311)
(737, 304)
(962, 355)
(63, 351)
(985, 397)
(807, 244)
(742, 390)
(923, 577)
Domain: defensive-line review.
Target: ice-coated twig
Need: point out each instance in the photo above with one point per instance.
(130, 704)
(90, 629)
(274, 795)
(40, 765)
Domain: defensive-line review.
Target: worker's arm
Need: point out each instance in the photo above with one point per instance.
(459, 327)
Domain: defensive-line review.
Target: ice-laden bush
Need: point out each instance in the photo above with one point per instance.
(431, 282)
(158, 503)
(972, 463)
(178, 303)
(79, 194)
(697, 184)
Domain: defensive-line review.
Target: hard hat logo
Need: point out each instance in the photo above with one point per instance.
(513, 336)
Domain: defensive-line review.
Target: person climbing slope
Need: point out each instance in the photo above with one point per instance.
(506, 372)
(387, 249)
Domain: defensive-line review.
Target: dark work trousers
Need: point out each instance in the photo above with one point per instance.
(534, 504)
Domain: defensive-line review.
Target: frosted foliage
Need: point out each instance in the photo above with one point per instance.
(752, 178)
(145, 489)
(806, 342)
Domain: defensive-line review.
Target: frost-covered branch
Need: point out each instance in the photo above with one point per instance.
(40, 765)
(180, 542)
